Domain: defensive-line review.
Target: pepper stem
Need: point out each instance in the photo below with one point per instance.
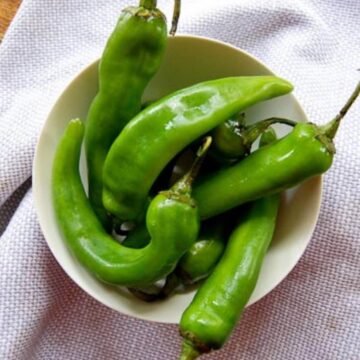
(175, 18)
(268, 137)
(331, 127)
(183, 186)
(148, 4)
(254, 131)
(188, 352)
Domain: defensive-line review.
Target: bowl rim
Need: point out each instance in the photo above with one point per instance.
(37, 190)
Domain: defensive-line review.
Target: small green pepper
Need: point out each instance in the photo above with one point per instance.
(196, 264)
(232, 140)
(210, 318)
(228, 138)
(172, 221)
(159, 132)
(199, 261)
(306, 152)
(130, 59)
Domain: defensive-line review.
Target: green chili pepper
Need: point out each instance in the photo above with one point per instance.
(218, 304)
(210, 318)
(199, 261)
(228, 138)
(131, 57)
(163, 129)
(196, 264)
(139, 237)
(172, 221)
(306, 152)
(233, 140)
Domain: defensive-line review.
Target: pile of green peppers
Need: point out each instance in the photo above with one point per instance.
(177, 173)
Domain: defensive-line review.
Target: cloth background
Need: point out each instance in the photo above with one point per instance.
(313, 314)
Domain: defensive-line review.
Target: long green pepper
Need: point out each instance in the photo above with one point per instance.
(306, 152)
(131, 58)
(210, 318)
(218, 304)
(172, 221)
(213, 313)
(159, 132)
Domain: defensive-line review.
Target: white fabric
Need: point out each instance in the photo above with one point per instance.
(314, 314)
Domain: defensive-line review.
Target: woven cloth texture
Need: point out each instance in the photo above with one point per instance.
(313, 314)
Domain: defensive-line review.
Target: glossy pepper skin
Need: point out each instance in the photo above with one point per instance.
(159, 132)
(131, 57)
(196, 264)
(172, 220)
(306, 152)
(228, 139)
(210, 318)
(217, 306)
(199, 261)
(279, 166)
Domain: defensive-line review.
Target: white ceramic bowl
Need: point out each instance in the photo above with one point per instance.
(188, 60)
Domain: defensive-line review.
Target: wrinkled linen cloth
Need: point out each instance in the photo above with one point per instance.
(313, 314)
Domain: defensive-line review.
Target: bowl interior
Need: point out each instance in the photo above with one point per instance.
(188, 60)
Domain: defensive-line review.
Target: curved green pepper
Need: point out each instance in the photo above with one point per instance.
(159, 132)
(196, 264)
(306, 152)
(131, 57)
(228, 138)
(277, 167)
(210, 318)
(215, 309)
(172, 221)
(199, 261)
(218, 304)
